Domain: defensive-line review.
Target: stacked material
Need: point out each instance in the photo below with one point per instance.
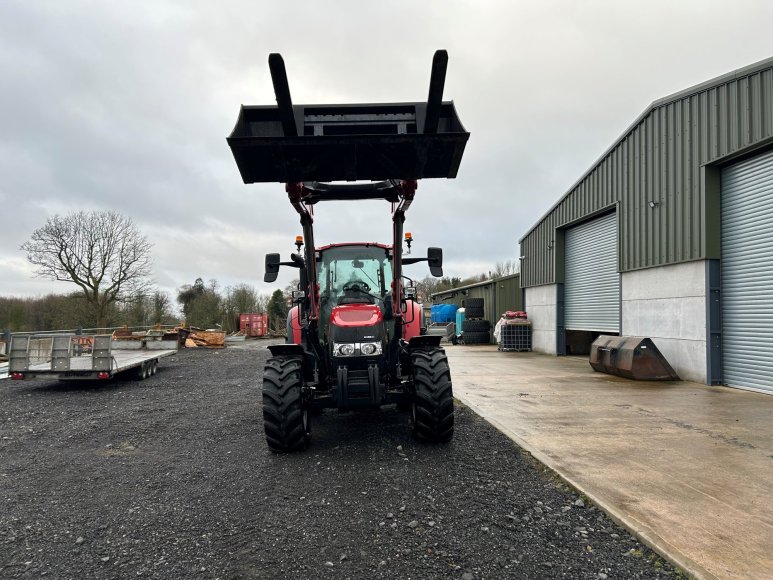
(153, 339)
(513, 332)
(205, 338)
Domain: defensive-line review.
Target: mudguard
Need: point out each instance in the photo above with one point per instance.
(424, 341)
(286, 350)
(412, 326)
(294, 325)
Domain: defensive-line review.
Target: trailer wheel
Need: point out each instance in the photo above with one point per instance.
(140, 372)
(154, 366)
(286, 419)
(433, 398)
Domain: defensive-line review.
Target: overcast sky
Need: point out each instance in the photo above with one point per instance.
(126, 106)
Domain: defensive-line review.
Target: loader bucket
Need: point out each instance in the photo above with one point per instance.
(347, 143)
(632, 357)
(294, 143)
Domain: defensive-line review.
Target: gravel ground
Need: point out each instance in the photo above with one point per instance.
(171, 477)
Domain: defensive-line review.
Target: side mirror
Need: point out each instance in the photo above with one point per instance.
(272, 268)
(435, 259)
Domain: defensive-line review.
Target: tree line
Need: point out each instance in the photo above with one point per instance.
(201, 305)
(108, 259)
(206, 306)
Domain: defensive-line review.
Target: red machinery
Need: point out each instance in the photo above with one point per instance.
(354, 339)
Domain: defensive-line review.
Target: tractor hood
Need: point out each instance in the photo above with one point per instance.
(356, 315)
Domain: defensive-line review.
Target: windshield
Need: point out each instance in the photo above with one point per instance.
(352, 275)
(366, 268)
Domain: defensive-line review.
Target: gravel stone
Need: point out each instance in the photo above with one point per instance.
(173, 476)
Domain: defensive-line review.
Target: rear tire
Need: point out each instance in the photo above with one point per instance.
(473, 312)
(286, 419)
(476, 326)
(476, 337)
(433, 400)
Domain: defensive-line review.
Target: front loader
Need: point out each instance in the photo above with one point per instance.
(354, 332)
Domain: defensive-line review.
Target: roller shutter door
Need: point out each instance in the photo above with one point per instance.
(747, 274)
(592, 287)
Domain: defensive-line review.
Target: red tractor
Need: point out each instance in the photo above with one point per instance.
(354, 338)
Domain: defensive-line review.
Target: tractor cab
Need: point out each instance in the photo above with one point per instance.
(354, 301)
(353, 278)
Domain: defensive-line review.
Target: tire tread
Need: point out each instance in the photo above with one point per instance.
(282, 405)
(433, 395)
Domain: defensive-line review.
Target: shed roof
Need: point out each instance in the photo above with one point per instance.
(672, 98)
(475, 285)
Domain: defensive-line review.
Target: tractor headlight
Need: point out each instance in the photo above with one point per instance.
(369, 348)
(352, 349)
(344, 349)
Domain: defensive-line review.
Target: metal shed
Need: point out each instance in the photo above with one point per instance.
(662, 181)
(499, 295)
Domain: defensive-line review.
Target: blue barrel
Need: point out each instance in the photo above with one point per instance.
(449, 312)
(434, 315)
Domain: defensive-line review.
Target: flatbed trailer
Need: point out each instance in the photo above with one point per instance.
(85, 357)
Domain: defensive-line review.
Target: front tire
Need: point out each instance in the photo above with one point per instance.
(286, 418)
(433, 400)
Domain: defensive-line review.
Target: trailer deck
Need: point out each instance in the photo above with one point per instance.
(74, 357)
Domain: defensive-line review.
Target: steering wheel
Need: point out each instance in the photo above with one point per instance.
(356, 286)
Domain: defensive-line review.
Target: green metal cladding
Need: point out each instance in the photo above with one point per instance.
(499, 295)
(669, 156)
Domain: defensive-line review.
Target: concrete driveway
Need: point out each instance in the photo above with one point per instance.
(686, 467)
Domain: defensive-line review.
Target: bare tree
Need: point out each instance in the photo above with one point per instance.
(161, 304)
(239, 299)
(102, 252)
(426, 287)
(505, 268)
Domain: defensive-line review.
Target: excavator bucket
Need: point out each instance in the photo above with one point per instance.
(295, 143)
(632, 357)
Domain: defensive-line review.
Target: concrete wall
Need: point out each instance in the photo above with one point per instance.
(668, 304)
(540, 306)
